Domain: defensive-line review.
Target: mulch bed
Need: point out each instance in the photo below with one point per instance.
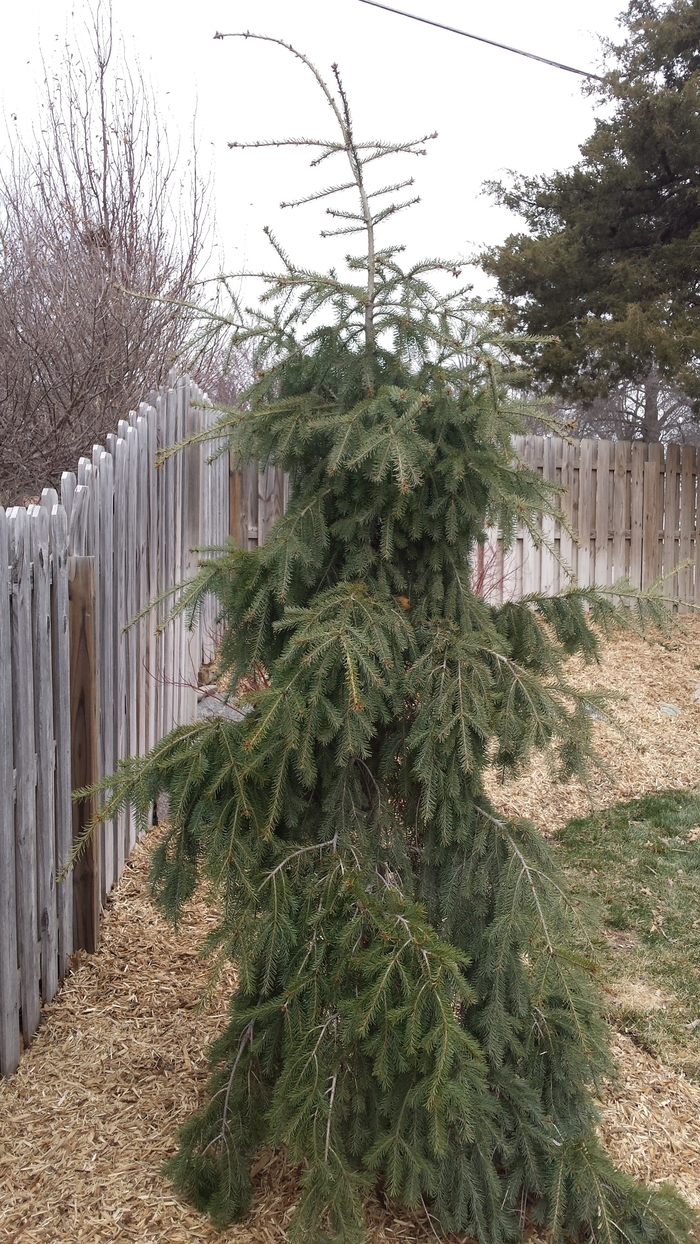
(655, 744)
(119, 1060)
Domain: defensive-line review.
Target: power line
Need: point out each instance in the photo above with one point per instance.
(583, 73)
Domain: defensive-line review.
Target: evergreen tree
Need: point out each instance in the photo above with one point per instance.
(607, 271)
(412, 1011)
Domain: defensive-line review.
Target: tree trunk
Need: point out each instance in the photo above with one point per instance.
(651, 422)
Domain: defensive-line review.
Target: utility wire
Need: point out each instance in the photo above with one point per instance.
(583, 73)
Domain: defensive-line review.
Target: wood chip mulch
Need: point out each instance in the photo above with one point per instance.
(119, 1061)
(655, 746)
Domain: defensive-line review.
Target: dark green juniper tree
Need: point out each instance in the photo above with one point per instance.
(410, 1014)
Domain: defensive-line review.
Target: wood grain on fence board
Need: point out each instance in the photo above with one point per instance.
(530, 551)
(670, 540)
(61, 710)
(9, 970)
(687, 523)
(193, 540)
(45, 749)
(132, 632)
(620, 509)
(205, 617)
(603, 552)
(79, 520)
(161, 613)
(68, 483)
(105, 659)
(174, 626)
(25, 769)
(549, 567)
(586, 502)
(235, 507)
(84, 748)
(93, 549)
(121, 478)
(653, 515)
(694, 573)
(142, 594)
(250, 477)
(566, 543)
(638, 455)
(168, 481)
(181, 392)
(150, 672)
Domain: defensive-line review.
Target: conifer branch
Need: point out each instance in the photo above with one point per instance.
(246, 1039)
(334, 1081)
(320, 846)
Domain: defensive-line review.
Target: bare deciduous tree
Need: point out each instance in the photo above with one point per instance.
(652, 411)
(92, 205)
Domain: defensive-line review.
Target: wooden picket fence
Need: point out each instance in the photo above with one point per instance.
(631, 511)
(79, 687)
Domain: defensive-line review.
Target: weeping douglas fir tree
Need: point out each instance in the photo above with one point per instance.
(412, 1013)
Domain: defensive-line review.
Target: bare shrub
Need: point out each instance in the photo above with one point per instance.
(92, 205)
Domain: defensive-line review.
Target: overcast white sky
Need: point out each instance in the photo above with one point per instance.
(493, 110)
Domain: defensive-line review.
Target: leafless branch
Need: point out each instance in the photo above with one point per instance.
(93, 204)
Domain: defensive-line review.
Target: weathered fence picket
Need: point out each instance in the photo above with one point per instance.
(25, 770)
(39, 522)
(82, 590)
(60, 637)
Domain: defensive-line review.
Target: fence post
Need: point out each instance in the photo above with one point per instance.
(83, 704)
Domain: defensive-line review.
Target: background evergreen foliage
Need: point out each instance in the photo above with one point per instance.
(412, 1012)
(606, 276)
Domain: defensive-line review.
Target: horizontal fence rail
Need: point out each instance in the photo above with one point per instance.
(80, 689)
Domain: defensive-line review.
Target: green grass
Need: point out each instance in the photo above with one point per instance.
(639, 863)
